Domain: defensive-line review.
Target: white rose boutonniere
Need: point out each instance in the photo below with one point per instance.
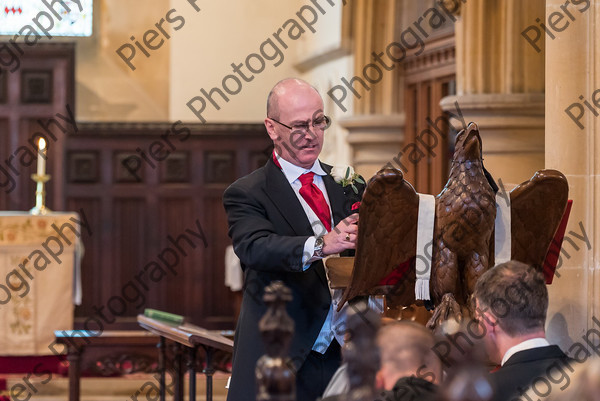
(345, 176)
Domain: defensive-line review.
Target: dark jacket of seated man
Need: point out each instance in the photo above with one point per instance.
(533, 369)
(511, 302)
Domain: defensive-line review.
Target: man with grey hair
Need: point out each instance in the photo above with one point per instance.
(511, 302)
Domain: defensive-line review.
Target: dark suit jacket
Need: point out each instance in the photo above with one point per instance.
(269, 228)
(523, 368)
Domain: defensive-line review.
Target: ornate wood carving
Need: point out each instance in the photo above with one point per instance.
(275, 379)
(361, 352)
(439, 59)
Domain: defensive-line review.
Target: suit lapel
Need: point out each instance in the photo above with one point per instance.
(337, 199)
(284, 198)
(278, 189)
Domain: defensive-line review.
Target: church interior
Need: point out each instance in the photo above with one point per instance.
(150, 110)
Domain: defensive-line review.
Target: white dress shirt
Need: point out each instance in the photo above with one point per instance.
(525, 345)
(334, 326)
(335, 322)
(292, 174)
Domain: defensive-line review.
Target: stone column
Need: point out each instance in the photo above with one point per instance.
(500, 84)
(375, 130)
(573, 70)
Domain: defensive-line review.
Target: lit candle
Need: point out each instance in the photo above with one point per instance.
(41, 162)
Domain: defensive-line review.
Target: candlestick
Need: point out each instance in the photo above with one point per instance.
(41, 161)
(40, 194)
(40, 178)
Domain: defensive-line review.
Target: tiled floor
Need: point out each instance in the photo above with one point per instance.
(105, 389)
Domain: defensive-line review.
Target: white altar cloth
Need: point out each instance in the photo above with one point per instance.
(39, 279)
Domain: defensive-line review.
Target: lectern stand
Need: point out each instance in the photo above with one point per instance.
(191, 338)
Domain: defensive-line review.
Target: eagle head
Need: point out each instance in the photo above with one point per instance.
(468, 144)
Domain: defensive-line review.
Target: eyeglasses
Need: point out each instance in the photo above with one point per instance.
(321, 123)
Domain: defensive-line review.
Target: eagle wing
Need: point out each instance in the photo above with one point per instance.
(537, 207)
(387, 231)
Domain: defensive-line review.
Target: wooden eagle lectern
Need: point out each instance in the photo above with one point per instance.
(462, 247)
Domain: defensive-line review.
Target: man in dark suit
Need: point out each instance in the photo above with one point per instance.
(283, 219)
(511, 303)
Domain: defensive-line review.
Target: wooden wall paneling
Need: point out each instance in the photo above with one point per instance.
(83, 167)
(3, 88)
(40, 88)
(217, 298)
(132, 224)
(136, 217)
(95, 250)
(179, 291)
(6, 175)
(176, 168)
(24, 194)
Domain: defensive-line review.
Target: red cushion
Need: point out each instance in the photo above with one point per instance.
(555, 245)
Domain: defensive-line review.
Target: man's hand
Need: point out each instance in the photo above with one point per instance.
(342, 237)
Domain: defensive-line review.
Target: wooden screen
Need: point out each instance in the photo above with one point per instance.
(144, 200)
(140, 186)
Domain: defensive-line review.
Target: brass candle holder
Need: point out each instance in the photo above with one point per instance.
(40, 194)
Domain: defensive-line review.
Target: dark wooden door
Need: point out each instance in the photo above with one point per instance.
(429, 78)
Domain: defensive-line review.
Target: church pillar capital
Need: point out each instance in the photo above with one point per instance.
(500, 85)
(511, 128)
(375, 139)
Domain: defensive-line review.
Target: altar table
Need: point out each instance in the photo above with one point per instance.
(40, 279)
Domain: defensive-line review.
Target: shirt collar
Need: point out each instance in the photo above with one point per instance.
(292, 172)
(525, 345)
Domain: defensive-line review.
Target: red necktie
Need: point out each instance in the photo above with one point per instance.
(276, 161)
(315, 199)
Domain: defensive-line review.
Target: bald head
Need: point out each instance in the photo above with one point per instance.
(294, 103)
(406, 350)
(283, 88)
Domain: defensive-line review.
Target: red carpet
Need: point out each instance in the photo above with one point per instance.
(26, 364)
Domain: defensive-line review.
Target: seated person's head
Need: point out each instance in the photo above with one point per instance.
(406, 350)
(511, 301)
